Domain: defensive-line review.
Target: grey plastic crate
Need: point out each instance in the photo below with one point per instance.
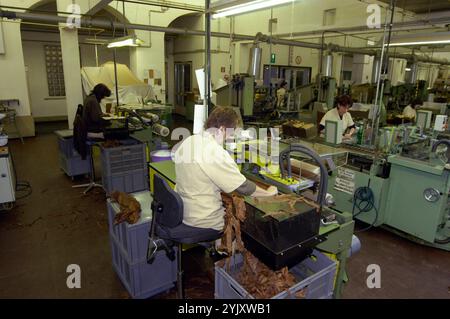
(66, 147)
(133, 239)
(74, 166)
(129, 157)
(129, 182)
(316, 274)
(144, 280)
(65, 143)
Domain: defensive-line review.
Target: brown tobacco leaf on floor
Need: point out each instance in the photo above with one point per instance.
(130, 209)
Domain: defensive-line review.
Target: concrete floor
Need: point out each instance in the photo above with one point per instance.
(57, 226)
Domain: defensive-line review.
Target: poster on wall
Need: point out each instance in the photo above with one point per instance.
(2, 42)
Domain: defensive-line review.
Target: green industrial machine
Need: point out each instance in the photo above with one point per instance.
(418, 200)
(402, 185)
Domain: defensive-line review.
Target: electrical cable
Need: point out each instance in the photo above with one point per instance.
(364, 201)
(20, 186)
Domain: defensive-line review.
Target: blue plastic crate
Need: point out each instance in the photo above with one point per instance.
(133, 239)
(129, 182)
(127, 158)
(74, 166)
(316, 274)
(143, 280)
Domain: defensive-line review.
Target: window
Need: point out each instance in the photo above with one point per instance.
(55, 73)
(329, 17)
(346, 75)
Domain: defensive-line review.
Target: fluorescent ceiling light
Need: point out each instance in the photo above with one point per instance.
(128, 41)
(249, 6)
(407, 69)
(418, 43)
(420, 39)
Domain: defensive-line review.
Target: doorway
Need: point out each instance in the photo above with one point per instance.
(183, 82)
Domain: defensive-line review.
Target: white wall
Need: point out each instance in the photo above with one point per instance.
(13, 81)
(33, 48)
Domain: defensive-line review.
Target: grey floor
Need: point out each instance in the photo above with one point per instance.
(57, 226)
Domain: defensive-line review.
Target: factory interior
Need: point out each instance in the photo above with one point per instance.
(334, 181)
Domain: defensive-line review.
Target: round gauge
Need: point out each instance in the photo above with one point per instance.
(298, 59)
(431, 194)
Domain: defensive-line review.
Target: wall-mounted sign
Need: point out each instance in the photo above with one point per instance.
(273, 58)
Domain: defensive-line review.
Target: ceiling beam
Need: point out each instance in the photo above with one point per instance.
(101, 4)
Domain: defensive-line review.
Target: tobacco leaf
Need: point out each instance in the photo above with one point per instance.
(257, 279)
(130, 209)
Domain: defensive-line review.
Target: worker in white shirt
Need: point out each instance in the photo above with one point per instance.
(204, 169)
(340, 113)
(410, 110)
(281, 94)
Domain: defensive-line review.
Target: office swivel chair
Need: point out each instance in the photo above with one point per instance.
(168, 231)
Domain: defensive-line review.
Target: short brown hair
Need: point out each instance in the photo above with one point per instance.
(222, 116)
(344, 100)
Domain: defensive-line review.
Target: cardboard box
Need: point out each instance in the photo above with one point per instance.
(302, 130)
(151, 74)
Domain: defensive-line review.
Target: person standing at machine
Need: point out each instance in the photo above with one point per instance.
(281, 94)
(92, 112)
(204, 169)
(340, 113)
(410, 110)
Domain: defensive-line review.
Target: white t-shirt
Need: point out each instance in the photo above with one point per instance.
(203, 170)
(333, 115)
(408, 111)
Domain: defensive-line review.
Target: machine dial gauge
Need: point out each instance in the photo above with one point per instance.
(431, 194)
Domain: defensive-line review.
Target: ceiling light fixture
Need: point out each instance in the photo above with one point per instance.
(128, 41)
(247, 7)
(420, 39)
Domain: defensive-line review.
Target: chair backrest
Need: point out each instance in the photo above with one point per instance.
(167, 204)
(79, 110)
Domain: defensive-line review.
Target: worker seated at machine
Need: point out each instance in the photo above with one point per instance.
(340, 113)
(204, 169)
(410, 110)
(92, 112)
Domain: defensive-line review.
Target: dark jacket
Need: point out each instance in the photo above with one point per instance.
(92, 115)
(80, 133)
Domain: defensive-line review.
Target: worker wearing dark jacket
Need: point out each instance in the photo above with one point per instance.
(92, 112)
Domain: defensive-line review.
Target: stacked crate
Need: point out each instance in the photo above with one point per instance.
(124, 168)
(69, 160)
(129, 253)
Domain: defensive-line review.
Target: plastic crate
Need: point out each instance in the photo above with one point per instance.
(65, 143)
(74, 166)
(315, 273)
(129, 157)
(143, 280)
(133, 239)
(66, 147)
(129, 182)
